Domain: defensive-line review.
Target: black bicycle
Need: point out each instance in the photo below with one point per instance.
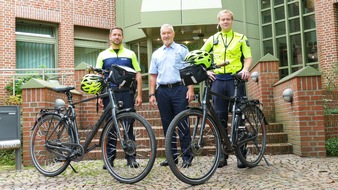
(55, 140)
(209, 138)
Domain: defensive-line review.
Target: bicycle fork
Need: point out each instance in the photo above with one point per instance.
(113, 112)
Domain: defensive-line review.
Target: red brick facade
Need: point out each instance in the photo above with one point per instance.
(65, 13)
(303, 119)
(327, 36)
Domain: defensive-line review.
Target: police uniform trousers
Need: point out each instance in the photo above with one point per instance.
(171, 100)
(223, 106)
(127, 97)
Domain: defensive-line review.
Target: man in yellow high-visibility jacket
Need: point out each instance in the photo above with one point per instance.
(232, 47)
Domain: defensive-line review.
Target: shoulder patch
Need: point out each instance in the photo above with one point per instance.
(183, 46)
(247, 43)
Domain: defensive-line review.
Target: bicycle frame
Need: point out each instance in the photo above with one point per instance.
(208, 108)
(109, 113)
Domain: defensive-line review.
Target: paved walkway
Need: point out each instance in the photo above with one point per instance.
(285, 172)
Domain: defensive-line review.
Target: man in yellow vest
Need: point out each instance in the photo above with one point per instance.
(232, 47)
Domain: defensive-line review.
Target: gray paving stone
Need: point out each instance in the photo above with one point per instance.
(285, 172)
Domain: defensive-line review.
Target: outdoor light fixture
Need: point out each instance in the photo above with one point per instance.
(287, 95)
(254, 76)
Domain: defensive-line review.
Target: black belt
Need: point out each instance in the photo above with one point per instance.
(171, 85)
(117, 89)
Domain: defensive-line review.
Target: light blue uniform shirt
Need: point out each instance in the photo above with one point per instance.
(166, 62)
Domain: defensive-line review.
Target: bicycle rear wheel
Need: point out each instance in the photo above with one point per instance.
(203, 150)
(133, 162)
(50, 129)
(253, 137)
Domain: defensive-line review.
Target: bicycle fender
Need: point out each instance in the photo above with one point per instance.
(125, 110)
(194, 107)
(255, 104)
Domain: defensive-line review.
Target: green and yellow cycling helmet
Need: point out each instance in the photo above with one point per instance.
(91, 83)
(199, 57)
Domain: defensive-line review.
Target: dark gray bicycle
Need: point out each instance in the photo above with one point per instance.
(55, 140)
(209, 138)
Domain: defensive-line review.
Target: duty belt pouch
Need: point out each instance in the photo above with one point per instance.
(193, 74)
(124, 77)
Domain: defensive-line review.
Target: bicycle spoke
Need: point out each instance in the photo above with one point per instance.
(49, 161)
(202, 153)
(131, 163)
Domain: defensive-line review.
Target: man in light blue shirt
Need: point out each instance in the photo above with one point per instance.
(166, 88)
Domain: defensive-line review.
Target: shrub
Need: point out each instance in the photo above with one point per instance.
(7, 157)
(331, 147)
(13, 100)
(18, 84)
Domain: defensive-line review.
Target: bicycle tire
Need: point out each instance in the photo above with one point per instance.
(204, 158)
(255, 130)
(142, 148)
(49, 128)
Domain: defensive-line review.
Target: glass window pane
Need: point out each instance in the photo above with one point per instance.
(296, 50)
(34, 55)
(267, 31)
(86, 55)
(294, 25)
(265, 4)
(294, 69)
(280, 28)
(279, 13)
(283, 73)
(278, 2)
(142, 55)
(309, 22)
(35, 30)
(282, 52)
(266, 16)
(293, 9)
(308, 6)
(311, 47)
(268, 47)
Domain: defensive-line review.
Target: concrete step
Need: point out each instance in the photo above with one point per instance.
(277, 140)
(271, 149)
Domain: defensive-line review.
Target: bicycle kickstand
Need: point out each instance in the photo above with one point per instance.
(266, 161)
(73, 168)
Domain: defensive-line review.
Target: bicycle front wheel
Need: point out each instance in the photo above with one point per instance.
(201, 148)
(252, 140)
(49, 130)
(131, 159)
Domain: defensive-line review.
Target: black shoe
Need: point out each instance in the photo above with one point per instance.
(132, 162)
(222, 161)
(186, 164)
(111, 163)
(165, 163)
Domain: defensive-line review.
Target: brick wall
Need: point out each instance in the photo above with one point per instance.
(263, 89)
(7, 40)
(34, 100)
(327, 36)
(67, 14)
(303, 118)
